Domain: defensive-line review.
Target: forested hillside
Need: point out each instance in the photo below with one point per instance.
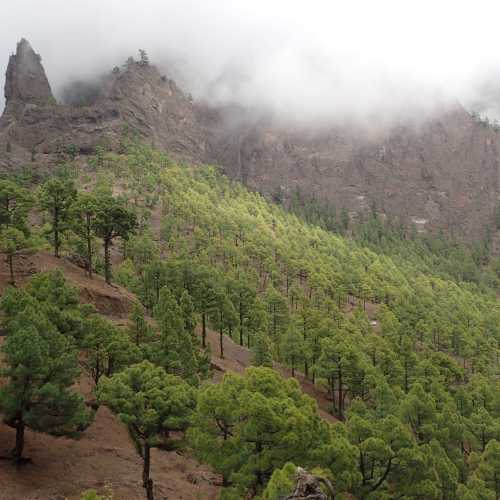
(400, 333)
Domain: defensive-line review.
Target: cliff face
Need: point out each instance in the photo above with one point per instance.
(137, 98)
(26, 82)
(442, 173)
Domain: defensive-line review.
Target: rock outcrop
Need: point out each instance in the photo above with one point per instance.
(136, 100)
(26, 82)
(309, 487)
(442, 173)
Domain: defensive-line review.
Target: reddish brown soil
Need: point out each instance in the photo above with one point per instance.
(109, 300)
(104, 459)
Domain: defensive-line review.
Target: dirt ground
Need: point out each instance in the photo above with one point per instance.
(104, 459)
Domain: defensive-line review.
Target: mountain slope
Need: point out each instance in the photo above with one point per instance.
(402, 353)
(104, 458)
(439, 172)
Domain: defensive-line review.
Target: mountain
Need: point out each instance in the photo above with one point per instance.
(137, 97)
(440, 173)
(376, 356)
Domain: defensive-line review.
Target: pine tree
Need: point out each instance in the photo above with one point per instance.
(262, 350)
(139, 329)
(171, 322)
(113, 220)
(14, 243)
(205, 297)
(144, 58)
(188, 313)
(56, 197)
(106, 348)
(151, 403)
(83, 216)
(41, 366)
(292, 348)
(245, 427)
(15, 203)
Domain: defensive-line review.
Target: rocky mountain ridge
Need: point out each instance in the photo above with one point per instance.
(442, 173)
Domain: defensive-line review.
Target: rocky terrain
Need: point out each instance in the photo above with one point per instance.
(441, 172)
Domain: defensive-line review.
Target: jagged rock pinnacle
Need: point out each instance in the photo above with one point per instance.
(25, 79)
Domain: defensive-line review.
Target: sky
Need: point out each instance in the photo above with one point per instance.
(315, 59)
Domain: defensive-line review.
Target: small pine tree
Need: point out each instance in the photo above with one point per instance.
(113, 219)
(262, 353)
(188, 313)
(140, 331)
(144, 58)
(14, 243)
(344, 219)
(56, 197)
(107, 349)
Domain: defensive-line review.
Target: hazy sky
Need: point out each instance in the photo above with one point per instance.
(307, 58)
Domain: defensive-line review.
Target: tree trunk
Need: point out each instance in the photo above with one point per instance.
(241, 321)
(306, 364)
(341, 395)
(157, 284)
(204, 330)
(97, 374)
(221, 342)
(18, 450)
(89, 248)
(107, 261)
(147, 482)
(406, 376)
(56, 233)
(10, 260)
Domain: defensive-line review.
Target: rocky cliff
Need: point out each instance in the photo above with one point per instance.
(136, 98)
(442, 173)
(26, 83)
(439, 173)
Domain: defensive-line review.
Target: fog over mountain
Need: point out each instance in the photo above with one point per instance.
(316, 60)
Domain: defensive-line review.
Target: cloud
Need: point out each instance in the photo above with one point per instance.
(314, 60)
